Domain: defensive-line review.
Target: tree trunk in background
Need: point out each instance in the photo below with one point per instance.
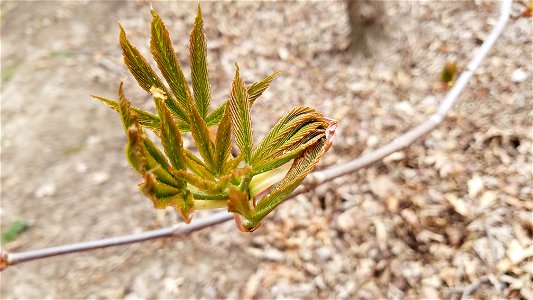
(366, 24)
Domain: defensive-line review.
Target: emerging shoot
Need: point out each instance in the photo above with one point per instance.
(250, 184)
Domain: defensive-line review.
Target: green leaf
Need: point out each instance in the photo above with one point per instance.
(199, 73)
(201, 195)
(223, 142)
(257, 88)
(155, 153)
(145, 75)
(197, 166)
(124, 108)
(200, 134)
(142, 154)
(295, 139)
(163, 195)
(164, 55)
(288, 134)
(205, 185)
(137, 64)
(215, 117)
(176, 177)
(158, 164)
(183, 202)
(13, 231)
(161, 190)
(281, 159)
(171, 137)
(146, 119)
(185, 205)
(254, 91)
(241, 122)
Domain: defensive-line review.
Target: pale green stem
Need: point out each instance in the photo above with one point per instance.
(209, 204)
(265, 180)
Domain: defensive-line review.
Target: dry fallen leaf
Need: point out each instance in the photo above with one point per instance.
(487, 199)
(459, 205)
(517, 253)
(475, 185)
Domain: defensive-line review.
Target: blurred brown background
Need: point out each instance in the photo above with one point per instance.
(423, 223)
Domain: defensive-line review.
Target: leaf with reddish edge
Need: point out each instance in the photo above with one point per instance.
(239, 203)
(241, 123)
(184, 203)
(145, 75)
(165, 56)
(200, 134)
(301, 166)
(171, 137)
(223, 142)
(199, 73)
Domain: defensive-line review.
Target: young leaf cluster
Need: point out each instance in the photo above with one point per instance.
(250, 184)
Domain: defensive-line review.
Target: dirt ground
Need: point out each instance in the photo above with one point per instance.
(452, 211)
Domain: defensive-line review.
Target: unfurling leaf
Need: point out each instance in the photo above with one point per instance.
(138, 66)
(284, 157)
(164, 55)
(301, 166)
(198, 54)
(145, 75)
(202, 140)
(241, 122)
(300, 124)
(223, 142)
(171, 137)
(249, 184)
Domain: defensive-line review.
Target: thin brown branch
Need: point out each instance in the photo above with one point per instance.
(314, 179)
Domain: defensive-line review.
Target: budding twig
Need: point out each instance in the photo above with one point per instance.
(314, 179)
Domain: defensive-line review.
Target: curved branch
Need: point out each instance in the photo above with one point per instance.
(314, 179)
(181, 229)
(433, 121)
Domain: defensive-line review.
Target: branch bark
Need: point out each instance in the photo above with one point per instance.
(314, 179)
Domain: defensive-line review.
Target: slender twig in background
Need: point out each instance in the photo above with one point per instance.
(469, 289)
(314, 179)
(472, 287)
